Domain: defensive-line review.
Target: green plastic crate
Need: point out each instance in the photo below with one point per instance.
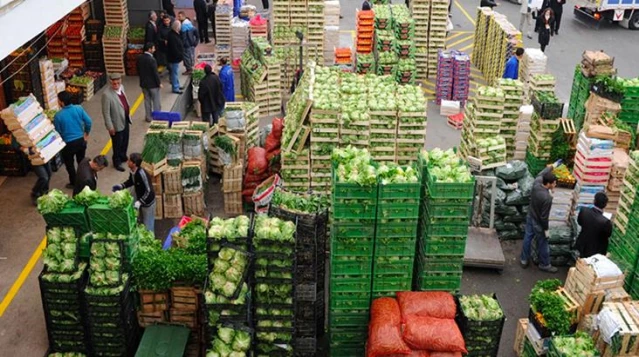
(393, 265)
(443, 246)
(355, 211)
(393, 246)
(72, 215)
(348, 318)
(353, 230)
(348, 351)
(442, 263)
(354, 283)
(341, 267)
(400, 191)
(448, 210)
(444, 189)
(392, 282)
(439, 282)
(340, 300)
(428, 219)
(340, 336)
(351, 246)
(444, 230)
(396, 229)
(105, 219)
(349, 191)
(398, 211)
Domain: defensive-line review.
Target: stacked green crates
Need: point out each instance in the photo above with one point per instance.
(624, 242)
(579, 95)
(395, 235)
(443, 228)
(352, 244)
(630, 106)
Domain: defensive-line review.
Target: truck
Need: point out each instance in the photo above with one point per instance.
(623, 12)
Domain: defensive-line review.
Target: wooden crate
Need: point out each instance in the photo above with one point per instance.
(173, 180)
(186, 318)
(159, 207)
(194, 204)
(626, 315)
(233, 203)
(155, 169)
(172, 206)
(184, 298)
(232, 178)
(587, 289)
(572, 307)
(522, 326)
(153, 301)
(151, 318)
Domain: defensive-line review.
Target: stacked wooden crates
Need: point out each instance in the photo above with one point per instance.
(513, 95)
(438, 22)
(223, 21)
(114, 43)
(411, 127)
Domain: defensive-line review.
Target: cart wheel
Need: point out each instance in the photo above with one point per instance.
(633, 23)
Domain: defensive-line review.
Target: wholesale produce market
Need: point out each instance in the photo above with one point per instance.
(319, 178)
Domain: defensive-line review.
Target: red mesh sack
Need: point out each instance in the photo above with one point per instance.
(384, 334)
(445, 354)
(433, 334)
(437, 304)
(256, 162)
(278, 125)
(414, 353)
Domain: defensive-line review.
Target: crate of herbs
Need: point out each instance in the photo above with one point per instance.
(550, 312)
(547, 105)
(481, 320)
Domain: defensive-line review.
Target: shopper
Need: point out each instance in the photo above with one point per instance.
(537, 220)
(525, 18)
(151, 30)
(557, 7)
(163, 43)
(117, 118)
(210, 96)
(512, 65)
(596, 229)
(175, 55)
(144, 194)
(227, 79)
(201, 15)
(190, 40)
(169, 7)
(74, 125)
(87, 175)
(545, 25)
(210, 8)
(149, 80)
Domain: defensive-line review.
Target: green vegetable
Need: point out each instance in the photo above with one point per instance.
(120, 199)
(545, 301)
(230, 341)
(225, 143)
(60, 253)
(392, 173)
(192, 237)
(445, 166)
(579, 345)
(274, 229)
(155, 147)
(300, 203)
(354, 166)
(52, 202)
(87, 197)
(228, 272)
(481, 308)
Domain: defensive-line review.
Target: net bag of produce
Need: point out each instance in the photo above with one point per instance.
(442, 335)
(512, 171)
(256, 161)
(437, 304)
(384, 335)
(445, 354)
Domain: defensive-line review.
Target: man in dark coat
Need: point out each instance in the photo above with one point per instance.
(87, 175)
(201, 16)
(211, 96)
(596, 229)
(163, 42)
(557, 7)
(169, 7)
(175, 55)
(537, 220)
(151, 30)
(149, 80)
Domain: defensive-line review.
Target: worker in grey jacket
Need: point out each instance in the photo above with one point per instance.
(537, 220)
(117, 118)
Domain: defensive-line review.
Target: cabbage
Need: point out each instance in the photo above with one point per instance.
(87, 197)
(52, 202)
(226, 334)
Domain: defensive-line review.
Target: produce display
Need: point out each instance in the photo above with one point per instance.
(629, 102)
(513, 100)
(483, 320)
(549, 308)
(260, 71)
(580, 345)
(229, 271)
(231, 341)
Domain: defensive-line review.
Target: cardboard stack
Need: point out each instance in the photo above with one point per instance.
(461, 75)
(365, 30)
(32, 129)
(49, 92)
(240, 38)
(591, 290)
(533, 62)
(597, 63)
(444, 84)
(597, 106)
(593, 163)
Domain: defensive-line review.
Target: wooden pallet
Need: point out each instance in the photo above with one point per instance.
(520, 336)
(151, 318)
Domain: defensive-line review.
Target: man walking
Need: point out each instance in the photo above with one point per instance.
(202, 20)
(87, 175)
(227, 79)
(557, 7)
(149, 80)
(117, 118)
(210, 8)
(537, 220)
(190, 39)
(525, 18)
(74, 125)
(596, 228)
(144, 194)
(175, 55)
(210, 96)
(512, 66)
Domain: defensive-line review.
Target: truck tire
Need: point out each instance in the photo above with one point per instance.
(633, 23)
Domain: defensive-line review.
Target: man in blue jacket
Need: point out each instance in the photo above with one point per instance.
(190, 39)
(227, 79)
(512, 66)
(74, 126)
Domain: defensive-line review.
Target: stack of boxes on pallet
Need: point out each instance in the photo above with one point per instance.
(239, 42)
(114, 43)
(411, 124)
(436, 32)
(523, 132)
(76, 34)
(453, 77)
(385, 42)
(56, 41)
(443, 226)
(383, 128)
(354, 127)
(365, 61)
(513, 100)
(533, 62)
(620, 163)
(404, 28)
(261, 77)
(223, 24)
(545, 122)
(444, 83)
(420, 10)
(461, 82)
(630, 106)
(49, 91)
(578, 96)
(331, 28)
(395, 234)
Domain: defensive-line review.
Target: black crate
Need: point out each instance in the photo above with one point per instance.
(305, 346)
(234, 313)
(605, 93)
(482, 337)
(108, 303)
(549, 111)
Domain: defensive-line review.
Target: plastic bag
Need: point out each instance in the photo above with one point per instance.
(517, 198)
(505, 226)
(509, 235)
(274, 139)
(384, 335)
(423, 332)
(499, 194)
(500, 208)
(526, 184)
(502, 185)
(515, 218)
(512, 171)
(256, 162)
(235, 120)
(427, 303)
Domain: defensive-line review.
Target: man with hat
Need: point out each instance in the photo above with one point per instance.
(117, 119)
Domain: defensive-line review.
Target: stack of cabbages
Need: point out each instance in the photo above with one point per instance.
(512, 198)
